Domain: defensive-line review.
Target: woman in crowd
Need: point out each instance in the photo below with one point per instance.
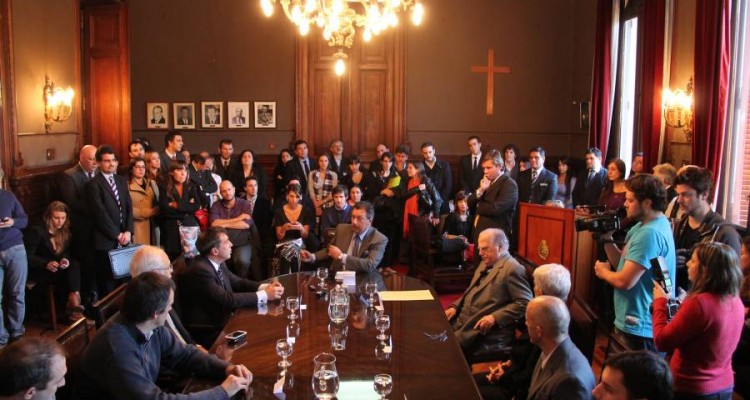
(510, 156)
(566, 181)
(355, 195)
(144, 204)
(178, 203)
(357, 175)
(48, 250)
(278, 173)
(153, 166)
(741, 356)
(320, 184)
(419, 195)
(246, 169)
(292, 221)
(384, 188)
(457, 230)
(613, 194)
(705, 331)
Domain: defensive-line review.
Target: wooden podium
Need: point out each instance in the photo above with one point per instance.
(547, 235)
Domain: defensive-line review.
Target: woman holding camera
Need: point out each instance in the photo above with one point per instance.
(705, 331)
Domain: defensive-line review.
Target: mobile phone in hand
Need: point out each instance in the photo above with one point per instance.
(661, 273)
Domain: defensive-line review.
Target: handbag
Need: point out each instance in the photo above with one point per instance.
(119, 260)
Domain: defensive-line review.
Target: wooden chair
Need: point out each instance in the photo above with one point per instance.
(74, 340)
(583, 326)
(105, 308)
(423, 255)
(51, 300)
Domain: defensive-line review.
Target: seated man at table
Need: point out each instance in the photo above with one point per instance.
(210, 292)
(483, 318)
(123, 360)
(356, 246)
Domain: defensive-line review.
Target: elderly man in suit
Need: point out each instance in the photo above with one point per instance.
(471, 166)
(214, 291)
(112, 211)
(483, 318)
(536, 185)
(590, 182)
(561, 372)
(495, 199)
(356, 246)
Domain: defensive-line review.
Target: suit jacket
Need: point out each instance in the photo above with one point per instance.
(225, 173)
(538, 192)
(440, 174)
(342, 169)
(470, 178)
(567, 375)
(238, 120)
(206, 300)
(371, 249)
(73, 193)
(496, 206)
(503, 293)
(294, 168)
(166, 160)
(106, 211)
(587, 192)
(205, 184)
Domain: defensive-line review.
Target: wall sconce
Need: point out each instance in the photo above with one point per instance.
(58, 104)
(677, 108)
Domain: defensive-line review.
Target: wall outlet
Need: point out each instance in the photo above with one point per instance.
(50, 154)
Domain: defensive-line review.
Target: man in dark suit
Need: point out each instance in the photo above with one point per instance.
(356, 246)
(590, 182)
(375, 166)
(185, 117)
(536, 185)
(202, 179)
(561, 372)
(339, 163)
(301, 165)
(73, 193)
(483, 318)
(226, 162)
(262, 218)
(212, 116)
(172, 151)
(439, 172)
(238, 118)
(135, 150)
(215, 292)
(112, 212)
(471, 166)
(157, 116)
(495, 199)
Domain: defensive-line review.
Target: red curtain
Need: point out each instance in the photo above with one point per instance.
(601, 107)
(711, 83)
(653, 71)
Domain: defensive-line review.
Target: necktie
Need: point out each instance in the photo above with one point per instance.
(116, 193)
(220, 274)
(355, 246)
(474, 163)
(89, 175)
(307, 168)
(533, 176)
(226, 163)
(591, 174)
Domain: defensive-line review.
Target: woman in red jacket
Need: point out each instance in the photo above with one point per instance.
(705, 331)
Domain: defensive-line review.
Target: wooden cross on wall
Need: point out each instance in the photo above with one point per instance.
(490, 69)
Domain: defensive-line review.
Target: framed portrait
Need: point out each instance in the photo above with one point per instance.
(157, 115)
(265, 114)
(238, 114)
(212, 113)
(184, 115)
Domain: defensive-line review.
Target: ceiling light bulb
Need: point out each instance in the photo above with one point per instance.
(304, 28)
(417, 13)
(367, 35)
(267, 7)
(340, 67)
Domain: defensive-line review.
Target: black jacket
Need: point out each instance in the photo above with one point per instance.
(440, 174)
(429, 199)
(540, 191)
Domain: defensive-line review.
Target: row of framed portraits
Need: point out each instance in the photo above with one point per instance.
(211, 115)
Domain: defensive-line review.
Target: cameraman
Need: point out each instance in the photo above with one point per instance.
(645, 201)
(699, 224)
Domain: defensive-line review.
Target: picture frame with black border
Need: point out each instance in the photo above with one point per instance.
(157, 115)
(212, 114)
(184, 115)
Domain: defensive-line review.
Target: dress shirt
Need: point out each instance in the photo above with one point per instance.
(476, 161)
(262, 295)
(350, 249)
(172, 156)
(546, 357)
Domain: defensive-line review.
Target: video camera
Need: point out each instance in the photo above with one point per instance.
(600, 220)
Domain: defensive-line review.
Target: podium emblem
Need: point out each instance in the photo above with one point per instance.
(543, 250)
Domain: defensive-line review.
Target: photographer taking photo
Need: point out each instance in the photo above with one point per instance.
(651, 237)
(706, 330)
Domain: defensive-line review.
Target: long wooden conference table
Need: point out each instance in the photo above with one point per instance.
(423, 363)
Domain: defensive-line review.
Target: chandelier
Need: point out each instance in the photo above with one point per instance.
(339, 21)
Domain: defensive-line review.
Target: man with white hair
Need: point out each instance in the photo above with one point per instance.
(552, 280)
(561, 372)
(483, 319)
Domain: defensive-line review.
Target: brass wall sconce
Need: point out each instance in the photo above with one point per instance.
(677, 107)
(58, 104)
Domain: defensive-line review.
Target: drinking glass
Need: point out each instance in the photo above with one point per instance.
(292, 303)
(284, 348)
(325, 379)
(292, 331)
(338, 331)
(370, 289)
(383, 384)
(322, 274)
(383, 323)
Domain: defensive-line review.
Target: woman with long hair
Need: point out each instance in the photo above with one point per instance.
(613, 194)
(566, 181)
(419, 195)
(457, 230)
(705, 331)
(355, 195)
(320, 184)
(279, 172)
(292, 223)
(143, 199)
(246, 169)
(178, 203)
(48, 250)
(384, 187)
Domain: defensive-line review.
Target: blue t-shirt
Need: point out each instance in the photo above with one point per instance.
(644, 242)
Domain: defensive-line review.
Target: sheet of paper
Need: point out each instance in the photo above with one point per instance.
(405, 295)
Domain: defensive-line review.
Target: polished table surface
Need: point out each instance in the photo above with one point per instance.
(422, 367)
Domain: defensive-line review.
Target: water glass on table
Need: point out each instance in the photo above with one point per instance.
(383, 384)
(292, 303)
(284, 348)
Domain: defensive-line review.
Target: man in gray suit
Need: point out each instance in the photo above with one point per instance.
(356, 246)
(483, 319)
(561, 372)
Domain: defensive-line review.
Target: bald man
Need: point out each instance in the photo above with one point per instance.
(72, 185)
(561, 372)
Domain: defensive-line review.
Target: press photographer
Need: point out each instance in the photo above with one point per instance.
(632, 280)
